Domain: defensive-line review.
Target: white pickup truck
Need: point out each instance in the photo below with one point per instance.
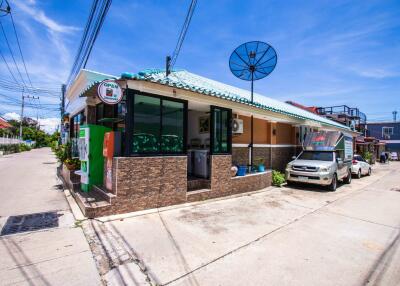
(325, 159)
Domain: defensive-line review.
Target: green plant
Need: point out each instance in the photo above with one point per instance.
(24, 147)
(10, 148)
(73, 163)
(259, 161)
(63, 152)
(368, 156)
(278, 178)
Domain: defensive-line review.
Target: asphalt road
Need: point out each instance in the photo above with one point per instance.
(280, 236)
(42, 251)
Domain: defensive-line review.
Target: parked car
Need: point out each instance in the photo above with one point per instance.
(326, 159)
(360, 167)
(394, 156)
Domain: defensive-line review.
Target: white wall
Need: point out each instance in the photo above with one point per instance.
(193, 126)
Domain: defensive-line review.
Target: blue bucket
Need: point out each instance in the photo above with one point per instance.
(241, 170)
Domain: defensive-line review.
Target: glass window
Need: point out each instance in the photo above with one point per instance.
(221, 134)
(387, 131)
(316, 155)
(158, 125)
(172, 127)
(146, 129)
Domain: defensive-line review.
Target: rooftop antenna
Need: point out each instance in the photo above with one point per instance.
(253, 61)
(394, 115)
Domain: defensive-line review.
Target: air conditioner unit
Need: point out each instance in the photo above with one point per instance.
(237, 126)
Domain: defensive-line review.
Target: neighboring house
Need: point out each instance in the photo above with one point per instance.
(4, 123)
(388, 132)
(177, 128)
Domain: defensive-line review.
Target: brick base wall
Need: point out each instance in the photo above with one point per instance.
(280, 156)
(223, 184)
(147, 182)
(251, 183)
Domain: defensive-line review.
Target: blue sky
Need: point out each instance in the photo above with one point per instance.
(329, 52)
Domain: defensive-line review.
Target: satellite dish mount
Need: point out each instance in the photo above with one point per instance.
(252, 61)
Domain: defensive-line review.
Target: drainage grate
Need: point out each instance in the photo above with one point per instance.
(30, 222)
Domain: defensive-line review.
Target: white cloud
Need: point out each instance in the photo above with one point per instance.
(377, 73)
(11, 116)
(49, 125)
(40, 17)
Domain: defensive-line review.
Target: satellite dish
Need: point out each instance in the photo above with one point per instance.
(253, 61)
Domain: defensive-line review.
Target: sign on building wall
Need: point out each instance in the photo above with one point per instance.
(109, 91)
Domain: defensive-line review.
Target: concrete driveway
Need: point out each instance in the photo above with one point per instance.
(279, 236)
(40, 251)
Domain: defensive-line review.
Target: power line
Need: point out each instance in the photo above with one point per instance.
(172, 60)
(8, 67)
(94, 23)
(20, 51)
(12, 54)
(84, 36)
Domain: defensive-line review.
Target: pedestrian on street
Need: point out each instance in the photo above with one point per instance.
(382, 158)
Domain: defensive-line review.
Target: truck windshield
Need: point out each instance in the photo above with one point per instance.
(315, 155)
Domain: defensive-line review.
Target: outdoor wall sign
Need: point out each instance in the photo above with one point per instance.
(109, 92)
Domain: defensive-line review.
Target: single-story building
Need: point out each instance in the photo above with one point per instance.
(180, 135)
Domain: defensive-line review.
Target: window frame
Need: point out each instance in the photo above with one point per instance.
(229, 141)
(387, 128)
(130, 124)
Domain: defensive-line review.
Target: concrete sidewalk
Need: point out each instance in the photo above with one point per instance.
(54, 254)
(284, 236)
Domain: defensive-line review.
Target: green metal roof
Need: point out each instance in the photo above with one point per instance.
(189, 81)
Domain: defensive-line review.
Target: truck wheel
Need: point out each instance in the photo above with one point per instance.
(359, 174)
(347, 180)
(332, 187)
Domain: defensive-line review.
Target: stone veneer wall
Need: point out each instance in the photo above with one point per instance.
(223, 184)
(147, 182)
(250, 183)
(280, 156)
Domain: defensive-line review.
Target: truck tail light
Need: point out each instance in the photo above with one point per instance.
(355, 162)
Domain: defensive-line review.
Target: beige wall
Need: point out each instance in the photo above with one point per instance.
(261, 134)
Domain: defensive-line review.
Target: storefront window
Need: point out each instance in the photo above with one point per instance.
(221, 135)
(158, 125)
(172, 126)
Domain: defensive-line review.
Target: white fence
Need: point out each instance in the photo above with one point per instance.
(9, 140)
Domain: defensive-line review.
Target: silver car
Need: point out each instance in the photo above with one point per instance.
(360, 167)
(319, 167)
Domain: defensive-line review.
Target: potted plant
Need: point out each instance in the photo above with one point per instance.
(260, 164)
(72, 164)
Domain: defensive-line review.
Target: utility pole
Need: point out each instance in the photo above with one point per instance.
(394, 115)
(63, 90)
(22, 111)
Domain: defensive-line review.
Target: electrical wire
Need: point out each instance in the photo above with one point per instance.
(8, 67)
(93, 26)
(20, 51)
(12, 54)
(83, 40)
(182, 35)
